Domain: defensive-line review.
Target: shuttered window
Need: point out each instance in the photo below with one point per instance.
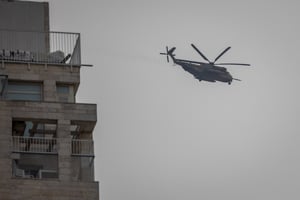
(24, 91)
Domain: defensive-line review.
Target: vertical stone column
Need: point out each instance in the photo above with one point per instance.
(49, 90)
(64, 150)
(5, 141)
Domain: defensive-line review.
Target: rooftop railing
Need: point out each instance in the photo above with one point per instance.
(40, 47)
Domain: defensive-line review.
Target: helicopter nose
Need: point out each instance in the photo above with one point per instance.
(229, 77)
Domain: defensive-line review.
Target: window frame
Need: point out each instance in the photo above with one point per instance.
(24, 92)
(70, 95)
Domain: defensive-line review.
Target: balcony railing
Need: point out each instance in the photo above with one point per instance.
(82, 147)
(42, 145)
(40, 47)
(34, 145)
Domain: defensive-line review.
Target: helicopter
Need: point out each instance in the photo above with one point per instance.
(206, 71)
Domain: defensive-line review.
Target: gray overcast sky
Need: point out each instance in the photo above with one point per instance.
(161, 134)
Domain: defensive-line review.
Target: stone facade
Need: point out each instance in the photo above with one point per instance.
(46, 138)
(67, 185)
(17, 189)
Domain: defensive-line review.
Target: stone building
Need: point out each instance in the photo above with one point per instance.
(46, 140)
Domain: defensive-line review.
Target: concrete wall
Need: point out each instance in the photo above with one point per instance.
(24, 16)
(18, 189)
(5, 142)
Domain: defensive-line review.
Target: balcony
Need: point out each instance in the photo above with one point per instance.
(37, 158)
(59, 48)
(21, 144)
(82, 147)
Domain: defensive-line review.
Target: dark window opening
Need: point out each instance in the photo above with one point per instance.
(35, 166)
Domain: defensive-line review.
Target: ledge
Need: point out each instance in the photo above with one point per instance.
(52, 110)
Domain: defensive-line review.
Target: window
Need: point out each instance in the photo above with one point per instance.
(34, 166)
(24, 91)
(3, 83)
(63, 89)
(65, 93)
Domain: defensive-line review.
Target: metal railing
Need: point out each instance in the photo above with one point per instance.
(49, 145)
(40, 47)
(82, 147)
(34, 145)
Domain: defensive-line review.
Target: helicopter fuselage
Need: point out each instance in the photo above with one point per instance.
(207, 72)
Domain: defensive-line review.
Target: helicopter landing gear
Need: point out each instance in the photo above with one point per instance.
(229, 83)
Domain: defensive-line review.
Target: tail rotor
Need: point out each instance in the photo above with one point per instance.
(169, 53)
(167, 49)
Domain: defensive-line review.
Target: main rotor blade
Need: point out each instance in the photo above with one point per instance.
(190, 61)
(203, 56)
(232, 64)
(221, 54)
(236, 79)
